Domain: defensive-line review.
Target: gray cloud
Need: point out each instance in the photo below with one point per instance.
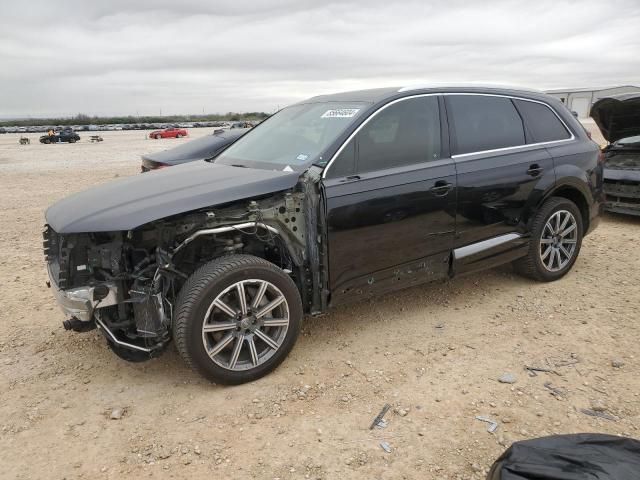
(185, 57)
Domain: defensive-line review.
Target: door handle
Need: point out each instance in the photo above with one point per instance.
(441, 188)
(534, 170)
(350, 178)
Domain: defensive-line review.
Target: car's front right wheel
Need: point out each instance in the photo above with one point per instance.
(556, 238)
(237, 318)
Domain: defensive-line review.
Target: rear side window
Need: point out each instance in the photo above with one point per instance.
(543, 124)
(483, 123)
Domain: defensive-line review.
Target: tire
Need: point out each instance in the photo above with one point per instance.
(72, 140)
(197, 309)
(178, 135)
(46, 141)
(541, 262)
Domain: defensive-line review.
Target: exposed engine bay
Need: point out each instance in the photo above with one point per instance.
(126, 283)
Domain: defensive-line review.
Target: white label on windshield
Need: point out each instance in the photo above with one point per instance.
(302, 157)
(340, 113)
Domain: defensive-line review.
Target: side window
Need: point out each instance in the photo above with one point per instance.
(483, 122)
(404, 133)
(345, 162)
(543, 124)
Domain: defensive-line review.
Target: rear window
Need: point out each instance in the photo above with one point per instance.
(484, 123)
(543, 124)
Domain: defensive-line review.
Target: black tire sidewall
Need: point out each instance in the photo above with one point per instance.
(540, 222)
(193, 340)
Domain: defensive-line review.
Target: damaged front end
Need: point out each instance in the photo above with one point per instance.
(618, 118)
(126, 283)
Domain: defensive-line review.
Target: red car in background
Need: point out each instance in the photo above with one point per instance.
(168, 133)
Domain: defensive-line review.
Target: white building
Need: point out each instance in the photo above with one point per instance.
(580, 100)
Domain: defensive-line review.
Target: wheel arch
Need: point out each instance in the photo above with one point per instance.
(572, 192)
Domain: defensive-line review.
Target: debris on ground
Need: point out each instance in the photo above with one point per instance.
(617, 363)
(555, 391)
(386, 447)
(493, 425)
(507, 378)
(380, 416)
(117, 413)
(593, 413)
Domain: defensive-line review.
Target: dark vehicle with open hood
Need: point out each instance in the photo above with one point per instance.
(204, 148)
(618, 118)
(63, 136)
(338, 198)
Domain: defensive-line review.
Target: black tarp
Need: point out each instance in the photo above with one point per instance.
(582, 456)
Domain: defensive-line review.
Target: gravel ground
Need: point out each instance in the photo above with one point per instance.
(71, 409)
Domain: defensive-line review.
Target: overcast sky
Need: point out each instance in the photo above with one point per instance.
(185, 56)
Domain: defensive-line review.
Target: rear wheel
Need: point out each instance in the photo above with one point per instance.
(178, 135)
(237, 318)
(556, 238)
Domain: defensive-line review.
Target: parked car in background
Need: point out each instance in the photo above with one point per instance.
(241, 125)
(3, 130)
(171, 132)
(204, 148)
(335, 199)
(64, 136)
(618, 118)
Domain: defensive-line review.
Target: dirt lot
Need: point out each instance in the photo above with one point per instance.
(434, 352)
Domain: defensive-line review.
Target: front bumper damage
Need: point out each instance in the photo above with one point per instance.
(622, 190)
(81, 302)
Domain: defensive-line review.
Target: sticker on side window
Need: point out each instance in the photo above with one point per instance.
(340, 113)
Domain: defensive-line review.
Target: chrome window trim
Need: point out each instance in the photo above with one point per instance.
(355, 132)
(460, 155)
(514, 147)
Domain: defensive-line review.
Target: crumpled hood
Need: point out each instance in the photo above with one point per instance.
(128, 203)
(617, 116)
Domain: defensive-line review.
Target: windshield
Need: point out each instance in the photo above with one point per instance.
(293, 138)
(623, 142)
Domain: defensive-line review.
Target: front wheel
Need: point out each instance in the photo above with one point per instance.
(556, 238)
(178, 135)
(237, 318)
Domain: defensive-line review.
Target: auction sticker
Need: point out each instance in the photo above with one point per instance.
(340, 113)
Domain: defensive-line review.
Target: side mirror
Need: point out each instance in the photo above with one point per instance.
(574, 113)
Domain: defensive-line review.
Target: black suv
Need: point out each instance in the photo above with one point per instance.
(334, 199)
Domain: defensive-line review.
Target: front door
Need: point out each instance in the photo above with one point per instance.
(390, 202)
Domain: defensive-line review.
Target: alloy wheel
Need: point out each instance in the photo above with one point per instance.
(245, 325)
(558, 240)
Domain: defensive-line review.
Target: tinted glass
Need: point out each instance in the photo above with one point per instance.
(293, 138)
(543, 124)
(484, 123)
(404, 133)
(345, 162)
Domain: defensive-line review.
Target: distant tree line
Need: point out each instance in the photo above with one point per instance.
(82, 119)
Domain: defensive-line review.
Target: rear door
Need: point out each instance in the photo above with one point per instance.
(390, 202)
(501, 169)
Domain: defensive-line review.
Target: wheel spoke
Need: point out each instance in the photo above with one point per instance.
(546, 253)
(551, 258)
(259, 294)
(567, 217)
(565, 251)
(569, 241)
(236, 352)
(218, 327)
(546, 240)
(225, 308)
(267, 308)
(252, 349)
(569, 229)
(266, 339)
(557, 217)
(242, 298)
(226, 340)
(275, 322)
